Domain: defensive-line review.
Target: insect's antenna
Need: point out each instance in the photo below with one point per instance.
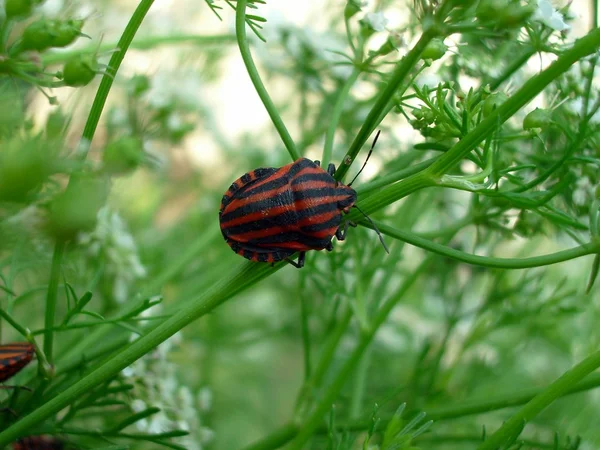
(375, 226)
(368, 155)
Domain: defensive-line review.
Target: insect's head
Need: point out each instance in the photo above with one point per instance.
(348, 197)
(352, 205)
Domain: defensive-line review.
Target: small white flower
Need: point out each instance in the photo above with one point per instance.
(376, 21)
(549, 16)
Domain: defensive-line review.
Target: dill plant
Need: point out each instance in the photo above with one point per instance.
(468, 337)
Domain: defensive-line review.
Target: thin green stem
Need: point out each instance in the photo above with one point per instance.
(51, 298)
(512, 428)
(335, 116)
(16, 325)
(108, 78)
(240, 30)
(485, 261)
(145, 43)
(384, 98)
(245, 276)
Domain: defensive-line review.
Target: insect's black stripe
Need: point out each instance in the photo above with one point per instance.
(292, 236)
(283, 181)
(247, 254)
(334, 222)
(279, 181)
(263, 257)
(288, 217)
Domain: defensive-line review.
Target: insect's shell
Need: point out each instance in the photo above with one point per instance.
(13, 357)
(269, 214)
(38, 443)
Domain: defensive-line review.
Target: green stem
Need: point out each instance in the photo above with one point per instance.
(247, 275)
(486, 261)
(144, 43)
(512, 428)
(384, 98)
(111, 71)
(240, 31)
(51, 298)
(335, 116)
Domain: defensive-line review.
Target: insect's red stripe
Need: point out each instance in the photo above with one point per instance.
(299, 206)
(310, 220)
(283, 171)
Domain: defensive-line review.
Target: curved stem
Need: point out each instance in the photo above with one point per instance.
(240, 30)
(485, 261)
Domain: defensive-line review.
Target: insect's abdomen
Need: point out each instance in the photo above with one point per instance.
(13, 357)
(293, 209)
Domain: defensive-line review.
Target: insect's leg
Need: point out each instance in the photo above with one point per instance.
(5, 386)
(340, 234)
(301, 260)
(9, 410)
(329, 247)
(331, 169)
(317, 162)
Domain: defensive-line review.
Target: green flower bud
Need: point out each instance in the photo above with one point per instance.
(538, 118)
(492, 102)
(18, 8)
(38, 35)
(139, 84)
(23, 168)
(504, 13)
(66, 32)
(123, 155)
(353, 7)
(80, 70)
(434, 50)
(76, 208)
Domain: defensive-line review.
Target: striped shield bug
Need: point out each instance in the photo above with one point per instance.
(38, 443)
(13, 357)
(269, 214)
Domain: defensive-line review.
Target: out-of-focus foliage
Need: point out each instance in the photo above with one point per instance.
(424, 348)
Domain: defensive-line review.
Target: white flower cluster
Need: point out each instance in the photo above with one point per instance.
(112, 241)
(156, 385)
(549, 16)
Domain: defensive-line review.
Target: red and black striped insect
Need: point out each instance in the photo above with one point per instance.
(269, 214)
(38, 443)
(13, 357)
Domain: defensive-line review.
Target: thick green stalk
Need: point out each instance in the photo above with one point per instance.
(246, 275)
(512, 428)
(240, 31)
(51, 298)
